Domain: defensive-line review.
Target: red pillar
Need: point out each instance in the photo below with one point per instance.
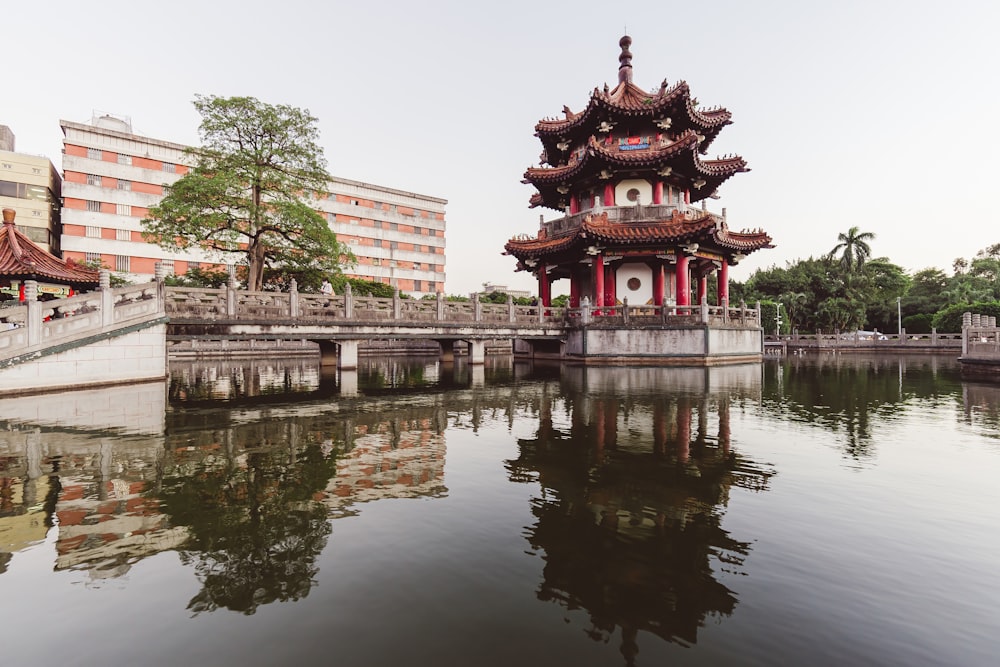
(610, 290)
(702, 288)
(544, 292)
(658, 284)
(683, 287)
(687, 196)
(598, 280)
(658, 192)
(724, 283)
(574, 290)
(574, 205)
(609, 194)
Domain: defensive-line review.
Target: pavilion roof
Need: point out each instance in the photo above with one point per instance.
(680, 155)
(707, 230)
(21, 258)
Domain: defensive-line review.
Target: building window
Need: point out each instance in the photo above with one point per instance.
(123, 235)
(378, 243)
(393, 245)
(193, 265)
(93, 179)
(124, 185)
(170, 167)
(354, 202)
(93, 232)
(378, 224)
(353, 222)
(418, 286)
(376, 262)
(121, 262)
(95, 154)
(92, 258)
(168, 266)
(123, 209)
(93, 206)
(124, 159)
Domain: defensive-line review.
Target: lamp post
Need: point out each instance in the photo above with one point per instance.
(899, 315)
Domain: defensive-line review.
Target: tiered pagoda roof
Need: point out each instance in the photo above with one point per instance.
(626, 130)
(22, 259)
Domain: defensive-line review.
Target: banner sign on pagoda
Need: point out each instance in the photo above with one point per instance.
(633, 143)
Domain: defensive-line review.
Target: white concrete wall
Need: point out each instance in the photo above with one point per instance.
(133, 409)
(137, 356)
(643, 294)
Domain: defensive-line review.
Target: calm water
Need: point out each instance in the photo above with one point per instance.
(810, 511)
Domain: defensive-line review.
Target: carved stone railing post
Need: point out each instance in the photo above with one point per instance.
(440, 306)
(293, 299)
(760, 322)
(159, 272)
(704, 309)
(511, 317)
(396, 305)
(934, 338)
(231, 296)
(107, 298)
(348, 302)
(477, 308)
(585, 310)
(625, 310)
(34, 318)
(725, 310)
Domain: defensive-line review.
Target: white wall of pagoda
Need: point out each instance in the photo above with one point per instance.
(642, 186)
(635, 283)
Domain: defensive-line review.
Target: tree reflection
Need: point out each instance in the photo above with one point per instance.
(629, 517)
(255, 528)
(850, 393)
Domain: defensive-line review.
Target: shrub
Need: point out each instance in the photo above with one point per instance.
(949, 320)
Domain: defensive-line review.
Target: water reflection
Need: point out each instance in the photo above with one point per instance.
(849, 394)
(633, 490)
(628, 475)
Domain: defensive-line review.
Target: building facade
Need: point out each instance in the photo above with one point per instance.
(31, 186)
(112, 177)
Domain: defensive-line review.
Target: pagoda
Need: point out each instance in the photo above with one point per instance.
(627, 173)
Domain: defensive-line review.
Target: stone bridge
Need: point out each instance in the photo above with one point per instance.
(339, 323)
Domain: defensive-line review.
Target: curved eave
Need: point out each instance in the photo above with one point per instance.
(627, 100)
(647, 233)
(21, 259)
(745, 242)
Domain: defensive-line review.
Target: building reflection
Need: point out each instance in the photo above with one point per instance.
(634, 485)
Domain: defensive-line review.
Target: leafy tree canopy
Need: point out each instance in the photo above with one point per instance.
(247, 196)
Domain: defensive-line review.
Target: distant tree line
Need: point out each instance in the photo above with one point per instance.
(848, 289)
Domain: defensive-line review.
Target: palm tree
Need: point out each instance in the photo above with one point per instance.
(854, 248)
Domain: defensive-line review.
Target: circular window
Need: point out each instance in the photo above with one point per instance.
(632, 194)
(634, 284)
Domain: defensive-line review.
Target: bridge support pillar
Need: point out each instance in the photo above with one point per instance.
(477, 352)
(447, 350)
(347, 360)
(348, 383)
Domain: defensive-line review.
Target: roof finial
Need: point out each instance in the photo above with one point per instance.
(625, 60)
(8, 216)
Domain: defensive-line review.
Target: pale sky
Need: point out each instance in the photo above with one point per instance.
(880, 114)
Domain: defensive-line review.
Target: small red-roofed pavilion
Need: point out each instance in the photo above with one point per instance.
(21, 259)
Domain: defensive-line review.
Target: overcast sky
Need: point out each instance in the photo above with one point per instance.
(880, 114)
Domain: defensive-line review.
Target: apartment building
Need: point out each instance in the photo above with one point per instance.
(30, 184)
(112, 176)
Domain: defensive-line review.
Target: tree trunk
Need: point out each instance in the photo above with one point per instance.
(255, 267)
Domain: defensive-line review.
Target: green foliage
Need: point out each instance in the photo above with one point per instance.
(949, 320)
(248, 193)
(561, 301)
(920, 323)
(198, 277)
(853, 248)
(768, 315)
(361, 287)
(114, 279)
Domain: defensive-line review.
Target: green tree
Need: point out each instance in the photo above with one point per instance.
(248, 193)
(853, 248)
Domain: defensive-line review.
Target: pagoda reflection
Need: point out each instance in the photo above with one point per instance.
(633, 491)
